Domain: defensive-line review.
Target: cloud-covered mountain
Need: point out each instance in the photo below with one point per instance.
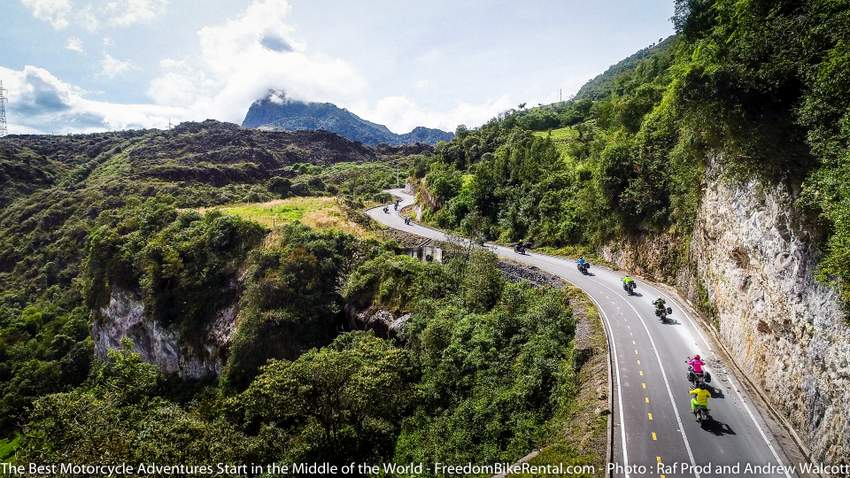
(277, 112)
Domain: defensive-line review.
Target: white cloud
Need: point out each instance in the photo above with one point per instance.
(74, 44)
(123, 13)
(87, 18)
(54, 12)
(40, 102)
(117, 13)
(243, 58)
(111, 67)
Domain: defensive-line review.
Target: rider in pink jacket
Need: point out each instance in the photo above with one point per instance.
(696, 364)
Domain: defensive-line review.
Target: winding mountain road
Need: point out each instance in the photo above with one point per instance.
(651, 407)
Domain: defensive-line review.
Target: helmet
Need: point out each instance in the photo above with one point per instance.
(696, 357)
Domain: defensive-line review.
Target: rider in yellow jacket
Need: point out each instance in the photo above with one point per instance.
(700, 399)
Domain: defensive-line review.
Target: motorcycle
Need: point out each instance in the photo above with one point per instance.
(698, 380)
(702, 414)
(662, 313)
(583, 267)
(386, 210)
(519, 248)
(630, 287)
(407, 221)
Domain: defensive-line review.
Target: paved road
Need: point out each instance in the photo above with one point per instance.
(652, 419)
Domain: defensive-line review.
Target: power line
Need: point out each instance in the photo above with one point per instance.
(3, 130)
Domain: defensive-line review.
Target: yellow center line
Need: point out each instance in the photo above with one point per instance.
(638, 361)
(634, 343)
(654, 438)
(657, 459)
(641, 373)
(649, 415)
(636, 352)
(646, 399)
(643, 385)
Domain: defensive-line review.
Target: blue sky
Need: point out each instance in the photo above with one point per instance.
(89, 65)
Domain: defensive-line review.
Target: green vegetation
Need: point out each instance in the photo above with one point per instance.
(476, 351)
(321, 212)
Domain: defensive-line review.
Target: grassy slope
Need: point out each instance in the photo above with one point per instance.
(317, 212)
(8, 448)
(562, 137)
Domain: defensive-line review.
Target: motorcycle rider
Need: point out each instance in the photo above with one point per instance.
(629, 284)
(696, 364)
(661, 308)
(582, 264)
(700, 400)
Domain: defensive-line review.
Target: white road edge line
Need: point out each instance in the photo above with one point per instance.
(735, 386)
(613, 352)
(666, 382)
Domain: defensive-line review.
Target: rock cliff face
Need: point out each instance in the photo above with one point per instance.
(167, 347)
(750, 264)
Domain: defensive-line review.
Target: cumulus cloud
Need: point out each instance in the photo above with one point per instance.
(124, 13)
(110, 67)
(117, 13)
(246, 56)
(54, 12)
(40, 102)
(74, 44)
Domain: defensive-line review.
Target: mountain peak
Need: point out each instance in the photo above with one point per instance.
(276, 111)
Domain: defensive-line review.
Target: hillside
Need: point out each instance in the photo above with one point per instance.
(602, 85)
(275, 112)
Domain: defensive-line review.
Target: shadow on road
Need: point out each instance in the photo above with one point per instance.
(715, 392)
(717, 428)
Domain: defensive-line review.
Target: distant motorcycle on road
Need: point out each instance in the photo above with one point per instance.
(629, 285)
(520, 248)
(661, 310)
